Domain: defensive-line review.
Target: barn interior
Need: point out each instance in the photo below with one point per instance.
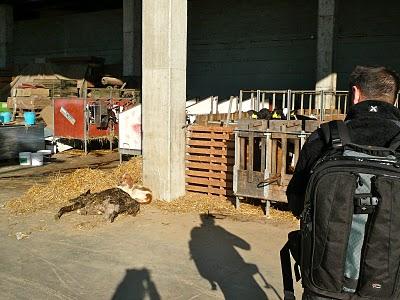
(179, 51)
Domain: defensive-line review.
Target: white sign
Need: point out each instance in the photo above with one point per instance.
(67, 115)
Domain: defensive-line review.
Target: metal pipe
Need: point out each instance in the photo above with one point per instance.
(212, 105)
(283, 101)
(109, 128)
(273, 100)
(322, 105)
(293, 100)
(228, 116)
(289, 98)
(54, 123)
(263, 100)
(85, 133)
(302, 103)
(240, 103)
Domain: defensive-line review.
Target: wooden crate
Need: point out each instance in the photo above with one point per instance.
(210, 154)
(204, 120)
(262, 169)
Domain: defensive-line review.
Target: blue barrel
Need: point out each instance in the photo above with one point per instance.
(30, 118)
(6, 117)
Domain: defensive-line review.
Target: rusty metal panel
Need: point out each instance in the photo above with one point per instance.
(69, 120)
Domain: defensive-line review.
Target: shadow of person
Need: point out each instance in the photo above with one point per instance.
(136, 285)
(212, 249)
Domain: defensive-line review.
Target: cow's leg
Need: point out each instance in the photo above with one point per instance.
(69, 208)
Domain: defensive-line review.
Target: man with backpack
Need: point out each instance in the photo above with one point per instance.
(346, 191)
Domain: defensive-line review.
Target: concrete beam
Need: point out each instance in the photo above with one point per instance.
(164, 96)
(132, 30)
(6, 36)
(326, 79)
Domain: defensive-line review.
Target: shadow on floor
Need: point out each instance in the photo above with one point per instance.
(213, 250)
(136, 285)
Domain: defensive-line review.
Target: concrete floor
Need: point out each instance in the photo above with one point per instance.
(156, 255)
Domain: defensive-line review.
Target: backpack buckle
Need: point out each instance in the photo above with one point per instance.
(337, 143)
(365, 203)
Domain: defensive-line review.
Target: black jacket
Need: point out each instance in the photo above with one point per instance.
(370, 122)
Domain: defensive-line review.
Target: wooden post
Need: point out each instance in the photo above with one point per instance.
(296, 150)
(284, 153)
(251, 158)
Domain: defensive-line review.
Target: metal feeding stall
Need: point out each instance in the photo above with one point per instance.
(94, 116)
(266, 151)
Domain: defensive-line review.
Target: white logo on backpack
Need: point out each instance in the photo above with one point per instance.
(376, 286)
(373, 108)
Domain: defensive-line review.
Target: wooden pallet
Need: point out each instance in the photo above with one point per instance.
(210, 156)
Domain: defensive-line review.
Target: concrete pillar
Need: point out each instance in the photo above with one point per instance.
(132, 48)
(6, 36)
(326, 79)
(164, 96)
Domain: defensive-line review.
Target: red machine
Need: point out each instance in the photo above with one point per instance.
(69, 119)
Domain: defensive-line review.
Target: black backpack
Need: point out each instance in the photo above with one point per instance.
(348, 245)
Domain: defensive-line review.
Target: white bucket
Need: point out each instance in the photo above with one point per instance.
(52, 148)
(25, 158)
(37, 159)
(46, 154)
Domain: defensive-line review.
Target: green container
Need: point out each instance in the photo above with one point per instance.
(3, 107)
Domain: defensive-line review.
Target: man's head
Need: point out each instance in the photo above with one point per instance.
(373, 83)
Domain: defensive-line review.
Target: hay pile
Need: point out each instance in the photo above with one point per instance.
(199, 203)
(62, 188)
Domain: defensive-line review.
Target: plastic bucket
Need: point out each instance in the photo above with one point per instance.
(6, 117)
(37, 159)
(46, 154)
(52, 148)
(30, 118)
(25, 158)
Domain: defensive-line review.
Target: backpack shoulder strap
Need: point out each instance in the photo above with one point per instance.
(395, 142)
(335, 134)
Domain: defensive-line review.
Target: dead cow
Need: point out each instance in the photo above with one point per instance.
(126, 198)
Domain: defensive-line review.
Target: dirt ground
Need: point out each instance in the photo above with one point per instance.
(159, 254)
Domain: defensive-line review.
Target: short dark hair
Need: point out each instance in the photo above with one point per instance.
(375, 83)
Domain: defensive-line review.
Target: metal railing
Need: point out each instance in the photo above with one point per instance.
(306, 102)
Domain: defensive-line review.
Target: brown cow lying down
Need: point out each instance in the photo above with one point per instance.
(126, 198)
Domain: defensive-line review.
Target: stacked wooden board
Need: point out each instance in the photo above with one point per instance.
(210, 154)
(34, 93)
(58, 87)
